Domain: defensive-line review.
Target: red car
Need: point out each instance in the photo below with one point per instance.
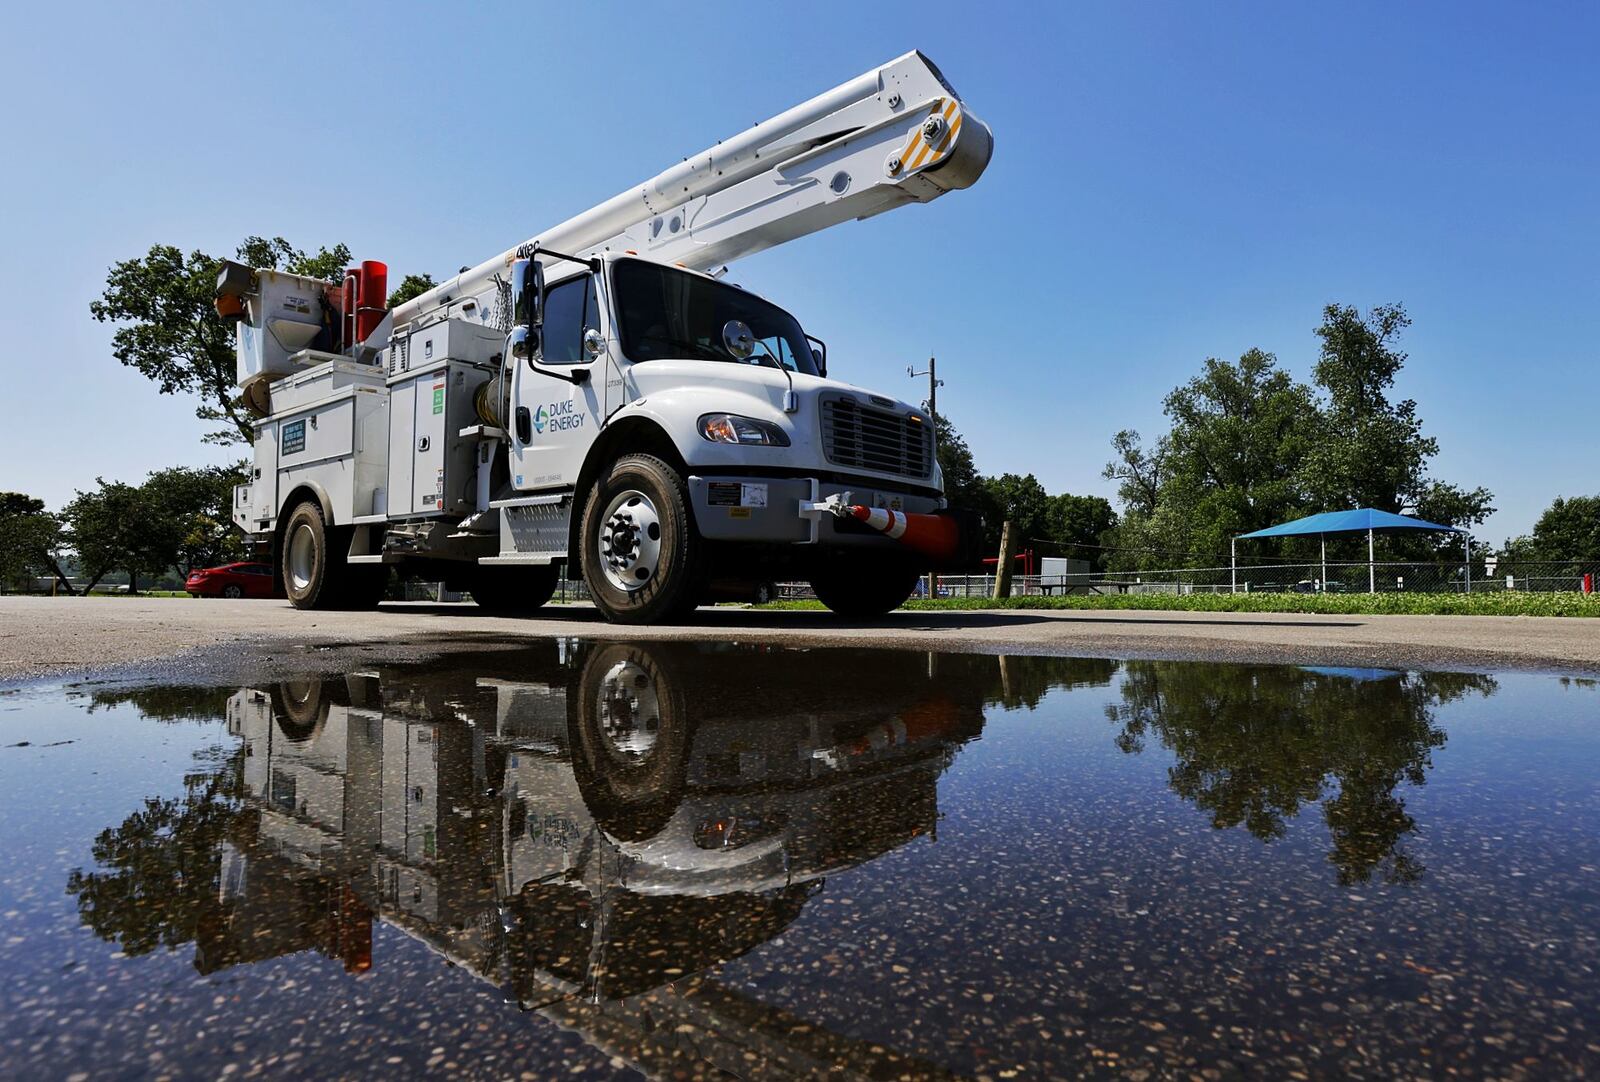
(232, 580)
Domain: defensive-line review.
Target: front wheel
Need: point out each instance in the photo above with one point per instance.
(862, 586)
(640, 552)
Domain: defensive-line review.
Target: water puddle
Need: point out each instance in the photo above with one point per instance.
(687, 860)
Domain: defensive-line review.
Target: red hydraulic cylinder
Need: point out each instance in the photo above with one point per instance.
(366, 300)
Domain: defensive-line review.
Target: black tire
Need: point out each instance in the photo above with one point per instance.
(863, 586)
(314, 569)
(512, 590)
(306, 561)
(766, 593)
(233, 593)
(300, 707)
(670, 589)
(630, 739)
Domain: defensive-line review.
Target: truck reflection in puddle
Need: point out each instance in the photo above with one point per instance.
(584, 827)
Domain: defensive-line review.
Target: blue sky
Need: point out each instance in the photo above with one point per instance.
(1170, 182)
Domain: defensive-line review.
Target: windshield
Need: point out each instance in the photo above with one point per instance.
(668, 313)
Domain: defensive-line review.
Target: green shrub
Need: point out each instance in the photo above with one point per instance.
(1499, 603)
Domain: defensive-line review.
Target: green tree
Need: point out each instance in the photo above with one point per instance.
(1249, 447)
(1138, 472)
(1254, 744)
(1230, 463)
(192, 510)
(29, 539)
(168, 329)
(1569, 529)
(963, 486)
(156, 873)
(114, 528)
(1079, 525)
(1021, 500)
(414, 285)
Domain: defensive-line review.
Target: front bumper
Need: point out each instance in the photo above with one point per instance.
(768, 509)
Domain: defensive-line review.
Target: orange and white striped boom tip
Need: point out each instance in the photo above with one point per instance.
(935, 536)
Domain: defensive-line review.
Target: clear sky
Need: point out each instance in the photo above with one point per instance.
(1170, 182)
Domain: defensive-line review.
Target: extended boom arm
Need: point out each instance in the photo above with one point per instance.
(897, 134)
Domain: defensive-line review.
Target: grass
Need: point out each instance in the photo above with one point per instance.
(1500, 603)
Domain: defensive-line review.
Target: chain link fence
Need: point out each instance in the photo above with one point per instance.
(1304, 578)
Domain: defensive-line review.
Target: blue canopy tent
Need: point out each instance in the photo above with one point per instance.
(1366, 520)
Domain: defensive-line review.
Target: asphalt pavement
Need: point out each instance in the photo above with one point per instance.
(54, 637)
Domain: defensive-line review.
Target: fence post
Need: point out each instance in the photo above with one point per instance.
(1008, 555)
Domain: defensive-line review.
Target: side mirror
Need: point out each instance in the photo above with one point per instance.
(819, 354)
(594, 343)
(527, 293)
(738, 339)
(523, 343)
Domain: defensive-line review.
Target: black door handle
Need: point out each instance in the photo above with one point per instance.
(524, 425)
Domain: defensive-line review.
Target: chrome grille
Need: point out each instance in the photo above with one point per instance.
(864, 438)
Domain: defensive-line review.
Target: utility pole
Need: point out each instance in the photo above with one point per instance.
(934, 383)
(1008, 556)
(933, 412)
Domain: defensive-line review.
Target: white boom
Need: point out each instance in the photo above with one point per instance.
(894, 135)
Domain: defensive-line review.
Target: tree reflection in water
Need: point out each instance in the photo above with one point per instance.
(1254, 743)
(155, 873)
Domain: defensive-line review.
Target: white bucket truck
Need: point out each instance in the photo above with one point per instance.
(598, 402)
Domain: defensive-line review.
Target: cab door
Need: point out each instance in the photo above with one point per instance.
(555, 420)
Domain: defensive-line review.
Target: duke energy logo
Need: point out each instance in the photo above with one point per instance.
(557, 417)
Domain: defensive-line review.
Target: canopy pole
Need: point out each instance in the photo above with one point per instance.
(1372, 575)
(1324, 562)
(1233, 564)
(1469, 563)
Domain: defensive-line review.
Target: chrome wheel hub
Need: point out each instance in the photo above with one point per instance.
(630, 541)
(302, 557)
(630, 713)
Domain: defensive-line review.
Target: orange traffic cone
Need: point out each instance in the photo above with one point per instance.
(935, 536)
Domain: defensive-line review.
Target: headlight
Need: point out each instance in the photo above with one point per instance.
(731, 428)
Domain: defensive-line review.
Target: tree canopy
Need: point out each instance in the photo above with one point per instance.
(178, 517)
(30, 538)
(1249, 446)
(1569, 529)
(414, 285)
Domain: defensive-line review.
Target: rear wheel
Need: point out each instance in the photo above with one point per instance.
(640, 553)
(232, 592)
(314, 568)
(864, 585)
(307, 577)
(512, 590)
